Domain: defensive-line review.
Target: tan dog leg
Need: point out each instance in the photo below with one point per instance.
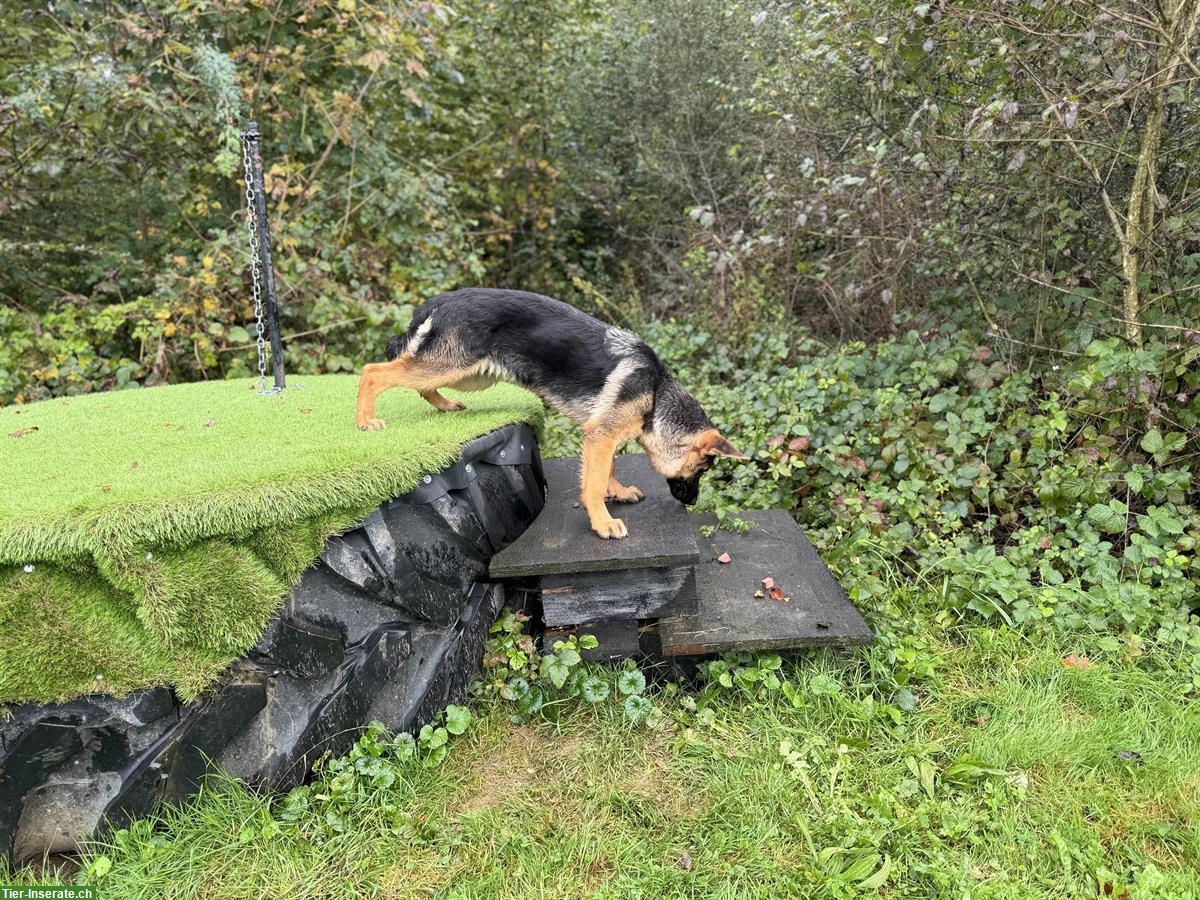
(442, 404)
(598, 452)
(424, 376)
(619, 492)
(602, 435)
(376, 378)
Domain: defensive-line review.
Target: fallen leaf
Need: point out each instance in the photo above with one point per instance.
(685, 862)
(210, 423)
(1071, 661)
(758, 595)
(305, 410)
(21, 432)
(1129, 756)
(775, 593)
(168, 424)
(105, 488)
(134, 464)
(768, 583)
(724, 558)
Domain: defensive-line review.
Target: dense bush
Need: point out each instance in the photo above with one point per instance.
(404, 156)
(727, 161)
(844, 161)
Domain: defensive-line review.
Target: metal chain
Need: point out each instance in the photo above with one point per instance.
(255, 270)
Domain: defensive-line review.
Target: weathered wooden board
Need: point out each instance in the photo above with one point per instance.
(619, 638)
(560, 540)
(631, 594)
(730, 618)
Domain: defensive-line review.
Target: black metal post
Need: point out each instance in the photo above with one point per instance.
(251, 137)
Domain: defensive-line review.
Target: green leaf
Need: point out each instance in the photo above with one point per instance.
(638, 709)
(432, 738)
(99, 867)
(1109, 517)
(554, 669)
(458, 718)
(861, 867)
(793, 694)
(434, 758)
(941, 402)
(967, 770)
(569, 657)
(517, 690)
(1152, 442)
(588, 642)
(876, 880)
(821, 684)
(1135, 481)
(594, 689)
(631, 681)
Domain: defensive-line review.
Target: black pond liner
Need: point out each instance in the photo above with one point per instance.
(388, 624)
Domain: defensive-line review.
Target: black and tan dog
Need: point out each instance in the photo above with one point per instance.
(604, 378)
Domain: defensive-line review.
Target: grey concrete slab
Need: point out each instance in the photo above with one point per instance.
(729, 616)
(560, 540)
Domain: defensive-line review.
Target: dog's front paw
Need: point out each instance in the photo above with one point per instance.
(613, 528)
(454, 406)
(629, 494)
(372, 425)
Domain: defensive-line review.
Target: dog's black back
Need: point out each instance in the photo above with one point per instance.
(551, 348)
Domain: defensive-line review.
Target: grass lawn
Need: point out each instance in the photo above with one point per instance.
(147, 536)
(1014, 775)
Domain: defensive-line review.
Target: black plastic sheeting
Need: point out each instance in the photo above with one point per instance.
(387, 625)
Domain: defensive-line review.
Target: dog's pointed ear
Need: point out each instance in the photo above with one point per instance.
(712, 443)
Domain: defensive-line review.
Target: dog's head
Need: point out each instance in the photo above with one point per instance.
(680, 440)
(692, 459)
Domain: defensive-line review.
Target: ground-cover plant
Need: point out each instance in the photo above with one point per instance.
(541, 684)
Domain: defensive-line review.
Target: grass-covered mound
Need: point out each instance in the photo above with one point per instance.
(147, 536)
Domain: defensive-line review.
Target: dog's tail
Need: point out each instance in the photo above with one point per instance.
(396, 346)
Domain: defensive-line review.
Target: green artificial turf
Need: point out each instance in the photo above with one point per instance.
(147, 536)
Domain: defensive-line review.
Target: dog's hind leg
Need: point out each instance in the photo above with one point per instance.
(441, 403)
(619, 492)
(403, 371)
(375, 379)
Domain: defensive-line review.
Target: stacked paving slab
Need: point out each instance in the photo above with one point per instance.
(662, 591)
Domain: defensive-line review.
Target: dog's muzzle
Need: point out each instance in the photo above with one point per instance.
(685, 490)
